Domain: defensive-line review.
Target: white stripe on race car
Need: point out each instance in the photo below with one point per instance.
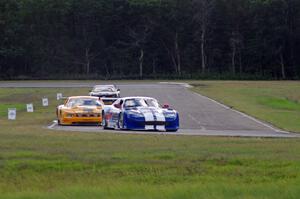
(160, 117)
(149, 127)
(160, 127)
(148, 116)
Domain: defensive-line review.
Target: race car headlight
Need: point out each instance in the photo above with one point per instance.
(170, 115)
(69, 115)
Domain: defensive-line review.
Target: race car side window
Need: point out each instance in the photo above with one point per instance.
(66, 101)
(152, 103)
(70, 102)
(118, 104)
(121, 103)
(101, 102)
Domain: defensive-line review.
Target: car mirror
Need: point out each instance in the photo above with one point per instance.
(118, 89)
(166, 106)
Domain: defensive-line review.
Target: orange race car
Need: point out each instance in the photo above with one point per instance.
(80, 110)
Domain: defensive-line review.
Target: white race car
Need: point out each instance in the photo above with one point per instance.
(140, 113)
(105, 91)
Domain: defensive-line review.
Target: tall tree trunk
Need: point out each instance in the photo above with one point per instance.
(88, 68)
(240, 61)
(106, 70)
(177, 53)
(233, 57)
(154, 66)
(141, 59)
(291, 22)
(174, 63)
(283, 75)
(87, 59)
(171, 54)
(203, 64)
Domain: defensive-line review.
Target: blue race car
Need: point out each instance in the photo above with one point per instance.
(140, 113)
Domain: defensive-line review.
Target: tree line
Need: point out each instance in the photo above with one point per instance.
(113, 39)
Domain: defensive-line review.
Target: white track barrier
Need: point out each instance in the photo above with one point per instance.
(12, 113)
(59, 96)
(29, 108)
(45, 102)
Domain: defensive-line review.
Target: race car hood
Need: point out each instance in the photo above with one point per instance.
(152, 113)
(142, 109)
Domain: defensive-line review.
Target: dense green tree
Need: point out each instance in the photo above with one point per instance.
(149, 38)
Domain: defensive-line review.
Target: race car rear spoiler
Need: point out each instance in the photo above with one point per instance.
(108, 100)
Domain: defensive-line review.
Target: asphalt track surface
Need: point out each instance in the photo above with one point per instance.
(199, 115)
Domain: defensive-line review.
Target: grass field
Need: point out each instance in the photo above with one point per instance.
(276, 102)
(39, 163)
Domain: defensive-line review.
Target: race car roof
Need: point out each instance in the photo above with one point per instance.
(105, 85)
(78, 97)
(136, 97)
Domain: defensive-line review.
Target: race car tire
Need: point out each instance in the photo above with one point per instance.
(59, 122)
(104, 123)
(121, 121)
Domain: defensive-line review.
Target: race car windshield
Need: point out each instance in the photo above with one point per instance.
(152, 103)
(103, 89)
(141, 102)
(135, 103)
(83, 102)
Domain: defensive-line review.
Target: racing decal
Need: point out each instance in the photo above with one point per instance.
(154, 119)
(147, 114)
(155, 116)
(149, 117)
(159, 117)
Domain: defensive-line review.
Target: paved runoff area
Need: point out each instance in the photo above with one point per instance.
(199, 115)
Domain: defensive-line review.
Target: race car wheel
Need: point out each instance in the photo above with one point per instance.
(121, 121)
(104, 123)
